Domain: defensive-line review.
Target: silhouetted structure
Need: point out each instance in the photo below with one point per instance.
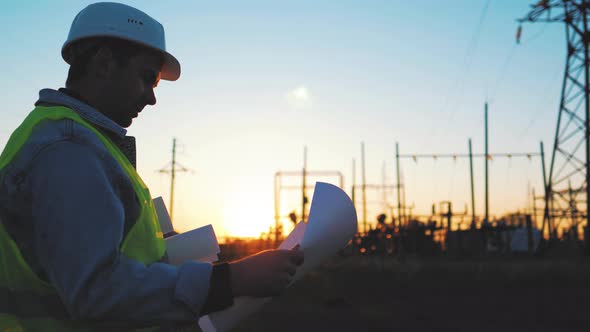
(567, 187)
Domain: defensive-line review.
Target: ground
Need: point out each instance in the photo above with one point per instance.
(493, 294)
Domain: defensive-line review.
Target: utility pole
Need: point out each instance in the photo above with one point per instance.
(384, 187)
(487, 160)
(303, 193)
(535, 209)
(364, 187)
(277, 185)
(528, 209)
(404, 205)
(472, 186)
(172, 171)
(173, 178)
(354, 185)
(399, 196)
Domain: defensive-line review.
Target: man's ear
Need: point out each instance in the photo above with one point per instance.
(103, 63)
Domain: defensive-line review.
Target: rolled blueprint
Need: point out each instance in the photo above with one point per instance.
(332, 223)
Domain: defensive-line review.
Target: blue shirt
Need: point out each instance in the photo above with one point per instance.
(68, 205)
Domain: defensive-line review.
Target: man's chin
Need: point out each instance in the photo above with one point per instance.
(125, 123)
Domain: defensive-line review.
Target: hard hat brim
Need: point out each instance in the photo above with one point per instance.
(171, 68)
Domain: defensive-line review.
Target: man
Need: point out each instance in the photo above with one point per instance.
(80, 244)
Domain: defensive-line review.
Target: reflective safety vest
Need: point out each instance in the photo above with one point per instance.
(28, 303)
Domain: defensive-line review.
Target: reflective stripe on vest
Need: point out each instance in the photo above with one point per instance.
(33, 298)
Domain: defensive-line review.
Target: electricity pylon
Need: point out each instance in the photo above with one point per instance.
(570, 161)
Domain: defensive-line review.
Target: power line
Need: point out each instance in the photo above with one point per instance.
(457, 83)
(505, 64)
(469, 59)
(535, 115)
(456, 156)
(502, 71)
(535, 36)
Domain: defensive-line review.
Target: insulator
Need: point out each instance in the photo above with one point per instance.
(542, 3)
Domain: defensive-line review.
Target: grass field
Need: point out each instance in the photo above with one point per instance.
(372, 294)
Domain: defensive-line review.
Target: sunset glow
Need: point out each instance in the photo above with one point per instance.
(246, 215)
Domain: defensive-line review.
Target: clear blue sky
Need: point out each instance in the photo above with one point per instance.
(261, 79)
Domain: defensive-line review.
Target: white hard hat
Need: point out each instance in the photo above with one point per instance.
(109, 19)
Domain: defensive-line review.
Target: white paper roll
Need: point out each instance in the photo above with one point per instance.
(332, 223)
(200, 244)
(163, 216)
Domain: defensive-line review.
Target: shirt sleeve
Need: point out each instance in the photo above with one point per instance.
(78, 229)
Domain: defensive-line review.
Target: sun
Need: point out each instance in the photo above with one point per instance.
(245, 215)
(299, 97)
(301, 93)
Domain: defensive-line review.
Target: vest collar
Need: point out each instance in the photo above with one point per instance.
(87, 112)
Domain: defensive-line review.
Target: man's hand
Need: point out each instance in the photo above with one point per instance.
(264, 274)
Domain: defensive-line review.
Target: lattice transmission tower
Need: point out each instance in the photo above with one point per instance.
(567, 187)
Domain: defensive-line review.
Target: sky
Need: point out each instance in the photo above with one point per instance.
(263, 79)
